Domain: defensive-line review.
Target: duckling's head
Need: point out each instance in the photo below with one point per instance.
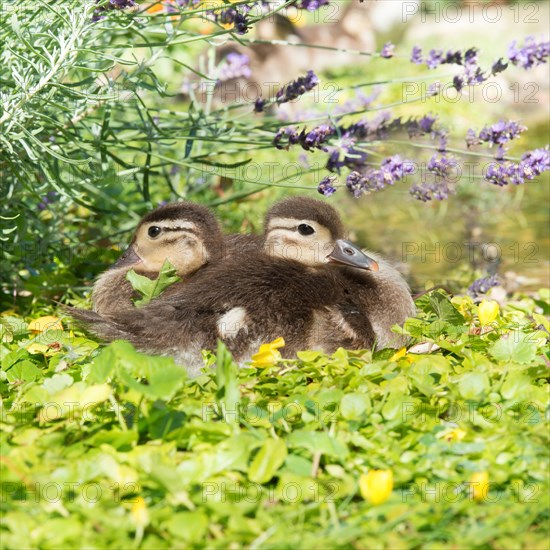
(187, 235)
(311, 232)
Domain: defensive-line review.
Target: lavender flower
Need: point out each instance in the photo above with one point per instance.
(434, 59)
(290, 134)
(235, 65)
(296, 88)
(441, 165)
(315, 138)
(532, 53)
(355, 183)
(112, 5)
(501, 132)
(237, 16)
(416, 55)
(428, 191)
(312, 5)
(326, 186)
(259, 105)
(499, 66)
(472, 74)
(535, 162)
(482, 285)
(532, 164)
(393, 169)
(387, 51)
(48, 198)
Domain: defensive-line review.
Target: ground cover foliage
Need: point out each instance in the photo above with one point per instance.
(105, 447)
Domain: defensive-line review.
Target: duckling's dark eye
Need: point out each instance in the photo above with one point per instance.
(154, 231)
(305, 229)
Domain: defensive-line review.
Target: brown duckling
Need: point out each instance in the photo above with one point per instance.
(186, 234)
(247, 300)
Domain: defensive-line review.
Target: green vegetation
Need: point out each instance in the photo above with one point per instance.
(111, 448)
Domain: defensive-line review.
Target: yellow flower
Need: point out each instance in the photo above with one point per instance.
(399, 354)
(376, 486)
(487, 312)
(479, 485)
(45, 323)
(452, 434)
(140, 513)
(268, 354)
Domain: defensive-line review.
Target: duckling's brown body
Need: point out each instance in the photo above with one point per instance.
(243, 305)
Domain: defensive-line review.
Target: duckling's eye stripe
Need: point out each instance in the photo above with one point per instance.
(183, 229)
(284, 228)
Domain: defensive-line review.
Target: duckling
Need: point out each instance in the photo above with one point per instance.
(373, 295)
(269, 292)
(186, 234)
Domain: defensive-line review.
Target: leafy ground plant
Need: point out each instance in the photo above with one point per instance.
(428, 446)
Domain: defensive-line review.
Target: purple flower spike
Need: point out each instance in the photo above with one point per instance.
(435, 58)
(416, 55)
(259, 105)
(534, 163)
(482, 285)
(532, 53)
(298, 87)
(355, 182)
(326, 186)
(312, 5)
(235, 65)
(501, 132)
(387, 50)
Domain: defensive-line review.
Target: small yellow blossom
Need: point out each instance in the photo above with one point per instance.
(45, 323)
(35, 347)
(452, 434)
(479, 484)
(464, 304)
(268, 354)
(399, 354)
(140, 513)
(487, 312)
(376, 486)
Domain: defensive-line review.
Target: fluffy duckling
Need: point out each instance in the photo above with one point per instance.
(186, 234)
(373, 295)
(247, 299)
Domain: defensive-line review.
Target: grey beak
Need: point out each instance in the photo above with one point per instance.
(347, 253)
(127, 259)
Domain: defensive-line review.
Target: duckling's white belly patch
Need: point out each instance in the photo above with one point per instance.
(231, 322)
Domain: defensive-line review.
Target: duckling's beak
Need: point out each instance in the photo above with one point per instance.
(127, 259)
(347, 253)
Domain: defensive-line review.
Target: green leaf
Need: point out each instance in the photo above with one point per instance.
(514, 347)
(189, 526)
(516, 386)
(268, 460)
(444, 309)
(24, 371)
(354, 405)
(318, 442)
(152, 288)
(473, 384)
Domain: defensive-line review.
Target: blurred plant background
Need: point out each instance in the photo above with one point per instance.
(111, 108)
